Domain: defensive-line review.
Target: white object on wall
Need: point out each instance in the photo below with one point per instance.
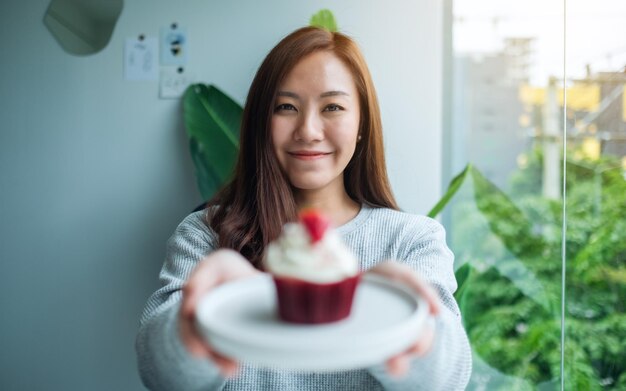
(140, 58)
(173, 45)
(174, 82)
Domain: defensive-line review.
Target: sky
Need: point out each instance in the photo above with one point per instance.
(596, 33)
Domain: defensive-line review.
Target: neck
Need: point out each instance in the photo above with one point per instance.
(340, 208)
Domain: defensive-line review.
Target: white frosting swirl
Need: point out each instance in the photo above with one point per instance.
(293, 255)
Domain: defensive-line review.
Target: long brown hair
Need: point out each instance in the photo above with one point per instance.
(250, 210)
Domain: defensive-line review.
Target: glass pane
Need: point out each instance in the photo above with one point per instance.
(505, 222)
(596, 196)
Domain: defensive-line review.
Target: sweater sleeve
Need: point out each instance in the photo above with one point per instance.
(447, 366)
(163, 361)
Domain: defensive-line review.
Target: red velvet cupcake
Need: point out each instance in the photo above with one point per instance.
(314, 272)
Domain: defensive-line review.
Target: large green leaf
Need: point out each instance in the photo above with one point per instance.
(525, 268)
(505, 219)
(463, 276)
(454, 186)
(324, 19)
(212, 121)
(208, 181)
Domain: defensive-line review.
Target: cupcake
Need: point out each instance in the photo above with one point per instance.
(314, 272)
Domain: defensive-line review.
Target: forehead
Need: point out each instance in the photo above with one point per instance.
(321, 70)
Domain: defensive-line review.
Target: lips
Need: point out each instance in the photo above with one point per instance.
(308, 155)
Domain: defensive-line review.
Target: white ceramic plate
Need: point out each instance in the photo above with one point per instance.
(239, 319)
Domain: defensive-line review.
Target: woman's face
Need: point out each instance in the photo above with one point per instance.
(315, 122)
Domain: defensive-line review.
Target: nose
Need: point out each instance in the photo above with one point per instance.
(310, 128)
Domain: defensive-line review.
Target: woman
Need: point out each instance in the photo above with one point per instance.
(311, 135)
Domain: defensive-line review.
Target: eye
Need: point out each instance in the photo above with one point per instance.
(285, 106)
(333, 107)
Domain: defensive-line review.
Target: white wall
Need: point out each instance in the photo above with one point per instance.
(95, 172)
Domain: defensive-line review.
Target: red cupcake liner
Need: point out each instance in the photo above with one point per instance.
(306, 302)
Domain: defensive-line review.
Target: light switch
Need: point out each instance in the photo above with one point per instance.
(174, 82)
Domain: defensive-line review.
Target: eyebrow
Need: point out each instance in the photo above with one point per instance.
(333, 93)
(323, 95)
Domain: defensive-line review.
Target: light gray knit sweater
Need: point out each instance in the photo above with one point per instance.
(375, 234)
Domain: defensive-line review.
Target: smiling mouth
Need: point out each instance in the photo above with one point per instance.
(308, 155)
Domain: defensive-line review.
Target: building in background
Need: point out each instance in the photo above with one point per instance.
(610, 121)
(490, 121)
(596, 113)
(498, 115)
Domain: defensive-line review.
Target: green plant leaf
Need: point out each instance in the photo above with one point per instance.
(462, 275)
(511, 226)
(212, 121)
(207, 179)
(324, 19)
(504, 306)
(453, 187)
(506, 220)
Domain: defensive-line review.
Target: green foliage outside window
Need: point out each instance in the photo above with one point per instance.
(511, 301)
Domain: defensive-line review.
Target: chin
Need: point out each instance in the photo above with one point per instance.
(300, 185)
(308, 183)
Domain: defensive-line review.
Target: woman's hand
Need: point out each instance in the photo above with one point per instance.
(217, 268)
(399, 364)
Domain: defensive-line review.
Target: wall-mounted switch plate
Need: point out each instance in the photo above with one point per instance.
(174, 81)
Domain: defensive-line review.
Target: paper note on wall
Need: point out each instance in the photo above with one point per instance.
(173, 45)
(141, 59)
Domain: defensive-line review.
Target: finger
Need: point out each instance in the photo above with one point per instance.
(221, 266)
(422, 346)
(398, 366)
(403, 273)
(201, 281)
(197, 348)
(227, 366)
(423, 288)
(428, 293)
(244, 271)
(424, 343)
(192, 341)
